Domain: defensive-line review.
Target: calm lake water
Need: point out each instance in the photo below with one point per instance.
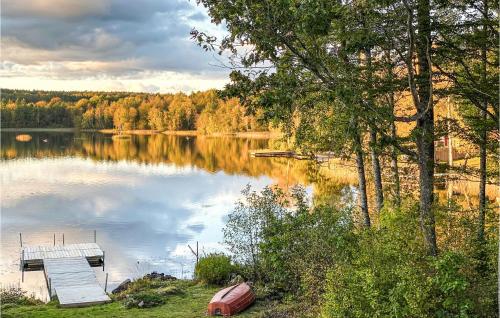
(147, 197)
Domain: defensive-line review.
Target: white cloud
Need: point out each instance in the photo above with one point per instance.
(153, 82)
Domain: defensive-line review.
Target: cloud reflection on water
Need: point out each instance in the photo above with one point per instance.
(145, 213)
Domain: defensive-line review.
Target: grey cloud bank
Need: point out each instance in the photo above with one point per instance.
(106, 39)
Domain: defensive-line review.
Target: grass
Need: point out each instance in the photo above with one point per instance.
(189, 300)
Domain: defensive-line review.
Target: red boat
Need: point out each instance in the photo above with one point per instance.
(231, 300)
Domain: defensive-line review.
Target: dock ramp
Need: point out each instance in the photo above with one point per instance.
(73, 281)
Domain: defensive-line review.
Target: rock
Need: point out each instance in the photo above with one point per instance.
(123, 286)
(169, 277)
(141, 304)
(160, 276)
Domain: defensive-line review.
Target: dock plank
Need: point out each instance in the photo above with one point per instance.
(34, 254)
(73, 281)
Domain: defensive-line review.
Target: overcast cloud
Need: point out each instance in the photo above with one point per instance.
(106, 45)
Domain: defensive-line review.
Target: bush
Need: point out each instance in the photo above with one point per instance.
(145, 299)
(214, 269)
(286, 245)
(151, 290)
(390, 275)
(317, 257)
(387, 277)
(17, 296)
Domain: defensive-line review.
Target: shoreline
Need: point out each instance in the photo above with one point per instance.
(125, 132)
(146, 132)
(38, 129)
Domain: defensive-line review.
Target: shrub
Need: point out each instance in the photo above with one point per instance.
(385, 279)
(150, 291)
(317, 257)
(451, 285)
(145, 299)
(390, 275)
(214, 269)
(17, 296)
(286, 245)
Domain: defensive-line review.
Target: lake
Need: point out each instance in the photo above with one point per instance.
(146, 197)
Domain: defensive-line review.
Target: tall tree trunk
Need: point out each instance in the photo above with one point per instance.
(425, 126)
(394, 152)
(363, 199)
(425, 145)
(395, 168)
(377, 174)
(483, 133)
(482, 184)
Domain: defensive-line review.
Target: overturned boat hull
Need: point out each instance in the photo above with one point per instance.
(231, 300)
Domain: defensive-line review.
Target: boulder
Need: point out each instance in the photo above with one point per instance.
(160, 276)
(123, 286)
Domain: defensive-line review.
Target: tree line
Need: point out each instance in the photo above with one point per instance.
(202, 111)
(343, 77)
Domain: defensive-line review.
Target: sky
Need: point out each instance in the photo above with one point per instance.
(107, 45)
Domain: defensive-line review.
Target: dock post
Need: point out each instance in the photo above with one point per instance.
(106, 283)
(103, 254)
(50, 288)
(54, 239)
(21, 239)
(22, 266)
(63, 238)
(95, 236)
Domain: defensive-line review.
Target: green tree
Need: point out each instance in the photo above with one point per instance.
(468, 56)
(323, 44)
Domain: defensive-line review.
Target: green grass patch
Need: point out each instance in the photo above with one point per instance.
(180, 299)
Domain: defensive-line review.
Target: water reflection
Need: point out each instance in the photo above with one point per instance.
(229, 155)
(147, 197)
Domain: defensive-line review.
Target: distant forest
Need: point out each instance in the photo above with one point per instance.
(202, 111)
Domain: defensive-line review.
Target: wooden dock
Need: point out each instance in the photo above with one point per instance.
(319, 157)
(32, 256)
(68, 272)
(278, 154)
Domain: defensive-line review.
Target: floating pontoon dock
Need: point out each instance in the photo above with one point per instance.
(68, 271)
(278, 154)
(321, 157)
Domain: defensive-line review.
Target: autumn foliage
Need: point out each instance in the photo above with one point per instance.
(202, 111)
